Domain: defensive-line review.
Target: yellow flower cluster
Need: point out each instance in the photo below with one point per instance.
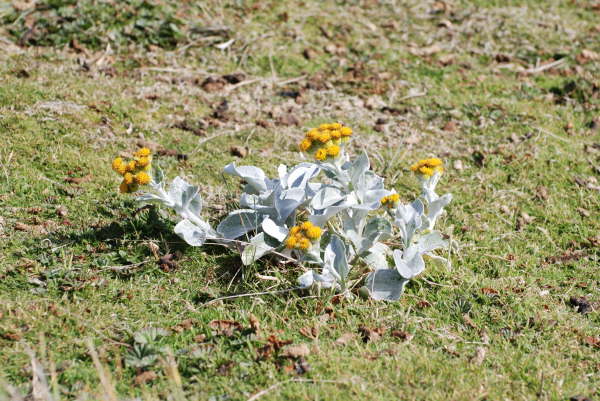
(134, 172)
(390, 201)
(302, 236)
(325, 141)
(428, 166)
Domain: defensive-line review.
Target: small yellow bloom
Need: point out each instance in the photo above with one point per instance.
(336, 134)
(390, 200)
(313, 232)
(321, 154)
(304, 244)
(131, 166)
(323, 127)
(307, 225)
(143, 152)
(305, 145)
(325, 136)
(117, 163)
(294, 230)
(333, 150)
(346, 131)
(143, 162)
(336, 126)
(291, 242)
(142, 178)
(428, 167)
(313, 134)
(128, 178)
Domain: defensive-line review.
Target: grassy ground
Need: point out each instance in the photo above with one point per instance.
(470, 81)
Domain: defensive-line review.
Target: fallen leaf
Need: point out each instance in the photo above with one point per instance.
(344, 339)
(225, 368)
(295, 351)
(145, 377)
(288, 119)
(479, 356)
(234, 78)
(224, 327)
(541, 192)
(426, 51)
(310, 332)
(200, 338)
(489, 291)
(309, 53)
(239, 151)
(581, 303)
(369, 334)
(254, 323)
(401, 334)
(167, 262)
(213, 84)
(450, 126)
(78, 180)
(592, 341)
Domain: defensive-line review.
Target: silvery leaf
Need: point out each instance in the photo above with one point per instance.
(311, 278)
(254, 176)
(238, 223)
(359, 166)
(436, 208)
(158, 177)
(278, 232)
(335, 259)
(428, 187)
(256, 249)
(377, 228)
(190, 233)
(299, 176)
(320, 217)
(326, 197)
(385, 284)
(409, 264)
(306, 280)
(286, 202)
(430, 242)
(376, 258)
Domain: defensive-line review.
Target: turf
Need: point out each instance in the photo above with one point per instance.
(516, 317)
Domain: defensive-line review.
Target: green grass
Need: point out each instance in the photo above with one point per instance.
(498, 325)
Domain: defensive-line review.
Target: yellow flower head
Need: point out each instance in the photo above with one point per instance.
(313, 232)
(143, 162)
(131, 166)
(321, 154)
(142, 178)
(143, 152)
(119, 166)
(291, 242)
(305, 144)
(307, 225)
(313, 134)
(390, 201)
(325, 136)
(295, 230)
(333, 150)
(128, 178)
(304, 244)
(331, 136)
(428, 167)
